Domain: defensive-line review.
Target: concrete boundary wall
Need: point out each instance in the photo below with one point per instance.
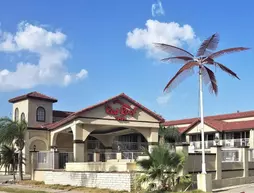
(107, 180)
(232, 182)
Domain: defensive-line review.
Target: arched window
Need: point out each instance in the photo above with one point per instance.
(23, 117)
(40, 114)
(16, 117)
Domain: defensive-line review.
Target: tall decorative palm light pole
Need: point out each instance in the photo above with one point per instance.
(202, 120)
(205, 57)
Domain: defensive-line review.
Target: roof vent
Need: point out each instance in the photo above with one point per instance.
(238, 111)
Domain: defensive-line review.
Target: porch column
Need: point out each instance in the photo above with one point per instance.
(153, 139)
(251, 139)
(245, 159)
(218, 160)
(183, 148)
(78, 143)
(187, 139)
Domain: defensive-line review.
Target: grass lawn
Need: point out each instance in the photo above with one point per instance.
(41, 185)
(15, 190)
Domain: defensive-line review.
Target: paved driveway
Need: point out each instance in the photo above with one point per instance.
(248, 188)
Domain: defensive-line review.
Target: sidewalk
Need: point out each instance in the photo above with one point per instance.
(246, 188)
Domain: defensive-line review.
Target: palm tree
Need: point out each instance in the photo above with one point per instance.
(8, 158)
(163, 167)
(13, 132)
(204, 58)
(169, 134)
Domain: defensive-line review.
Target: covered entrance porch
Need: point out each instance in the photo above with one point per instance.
(101, 145)
(117, 130)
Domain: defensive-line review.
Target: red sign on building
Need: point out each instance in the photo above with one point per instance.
(122, 112)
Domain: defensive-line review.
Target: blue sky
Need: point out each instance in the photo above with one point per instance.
(81, 52)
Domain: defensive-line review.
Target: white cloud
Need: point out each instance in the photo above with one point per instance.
(159, 32)
(164, 99)
(157, 9)
(82, 74)
(48, 46)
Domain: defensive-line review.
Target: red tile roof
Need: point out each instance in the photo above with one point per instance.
(57, 113)
(77, 114)
(219, 125)
(34, 95)
(213, 117)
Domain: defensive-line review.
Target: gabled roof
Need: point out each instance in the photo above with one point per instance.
(34, 95)
(74, 115)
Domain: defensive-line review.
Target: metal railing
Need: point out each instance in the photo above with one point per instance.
(129, 146)
(90, 156)
(45, 160)
(131, 155)
(110, 155)
(230, 143)
(94, 144)
(198, 144)
(231, 155)
(65, 157)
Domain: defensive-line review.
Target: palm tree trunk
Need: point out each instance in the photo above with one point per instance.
(162, 140)
(13, 169)
(20, 161)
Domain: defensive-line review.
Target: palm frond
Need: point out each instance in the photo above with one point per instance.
(227, 51)
(210, 79)
(177, 59)
(210, 43)
(227, 70)
(173, 50)
(184, 72)
(171, 134)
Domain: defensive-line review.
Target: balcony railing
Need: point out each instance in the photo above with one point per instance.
(129, 146)
(118, 145)
(230, 143)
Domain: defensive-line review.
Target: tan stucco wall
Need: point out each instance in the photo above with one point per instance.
(197, 128)
(64, 141)
(23, 108)
(195, 162)
(33, 105)
(40, 136)
(39, 175)
(100, 113)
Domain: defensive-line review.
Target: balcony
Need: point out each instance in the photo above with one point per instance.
(225, 143)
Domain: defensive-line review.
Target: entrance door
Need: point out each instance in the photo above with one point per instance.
(64, 157)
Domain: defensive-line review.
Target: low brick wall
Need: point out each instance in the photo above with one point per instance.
(109, 180)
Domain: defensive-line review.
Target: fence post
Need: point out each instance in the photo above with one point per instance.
(55, 160)
(217, 149)
(34, 160)
(184, 149)
(245, 161)
(118, 156)
(96, 156)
